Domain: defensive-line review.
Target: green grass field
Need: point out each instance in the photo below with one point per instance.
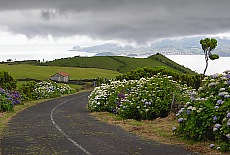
(88, 62)
(22, 71)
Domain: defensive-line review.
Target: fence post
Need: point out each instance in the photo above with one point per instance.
(172, 103)
(94, 83)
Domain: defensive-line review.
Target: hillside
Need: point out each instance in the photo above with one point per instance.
(120, 63)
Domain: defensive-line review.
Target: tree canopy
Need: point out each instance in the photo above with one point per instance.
(208, 45)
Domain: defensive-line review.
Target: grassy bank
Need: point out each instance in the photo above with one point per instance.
(159, 130)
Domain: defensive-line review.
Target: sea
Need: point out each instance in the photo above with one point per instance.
(197, 63)
(42, 53)
(194, 62)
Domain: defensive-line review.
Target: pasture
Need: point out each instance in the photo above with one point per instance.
(23, 71)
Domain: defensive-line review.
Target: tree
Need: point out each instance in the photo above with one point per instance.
(208, 45)
(9, 60)
(7, 81)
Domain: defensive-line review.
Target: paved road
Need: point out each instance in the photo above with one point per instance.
(64, 126)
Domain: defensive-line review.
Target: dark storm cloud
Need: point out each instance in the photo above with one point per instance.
(131, 20)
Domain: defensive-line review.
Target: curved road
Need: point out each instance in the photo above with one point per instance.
(64, 126)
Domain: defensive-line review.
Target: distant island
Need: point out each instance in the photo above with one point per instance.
(105, 54)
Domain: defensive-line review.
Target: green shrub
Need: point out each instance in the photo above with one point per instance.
(27, 90)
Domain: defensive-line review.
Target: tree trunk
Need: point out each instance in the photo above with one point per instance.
(206, 59)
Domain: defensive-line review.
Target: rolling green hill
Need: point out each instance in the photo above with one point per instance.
(120, 63)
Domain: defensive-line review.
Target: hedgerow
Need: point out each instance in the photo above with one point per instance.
(146, 72)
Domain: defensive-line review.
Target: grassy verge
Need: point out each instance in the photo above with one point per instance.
(159, 130)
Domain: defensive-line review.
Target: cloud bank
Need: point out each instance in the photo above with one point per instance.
(125, 20)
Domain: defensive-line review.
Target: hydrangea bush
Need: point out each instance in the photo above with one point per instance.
(8, 99)
(207, 115)
(32, 91)
(146, 98)
(50, 89)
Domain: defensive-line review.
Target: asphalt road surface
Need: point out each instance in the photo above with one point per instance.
(64, 126)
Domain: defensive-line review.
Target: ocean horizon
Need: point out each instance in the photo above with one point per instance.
(46, 53)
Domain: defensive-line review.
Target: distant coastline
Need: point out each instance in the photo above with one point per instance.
(139, 54)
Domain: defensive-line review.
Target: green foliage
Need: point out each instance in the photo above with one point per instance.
(190, 80)
(146, 98)
(27, 90)
(213, 56)
(6, 81)
(207, 116)
(208, 45)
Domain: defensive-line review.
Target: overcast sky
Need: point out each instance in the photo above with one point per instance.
(84, 22)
